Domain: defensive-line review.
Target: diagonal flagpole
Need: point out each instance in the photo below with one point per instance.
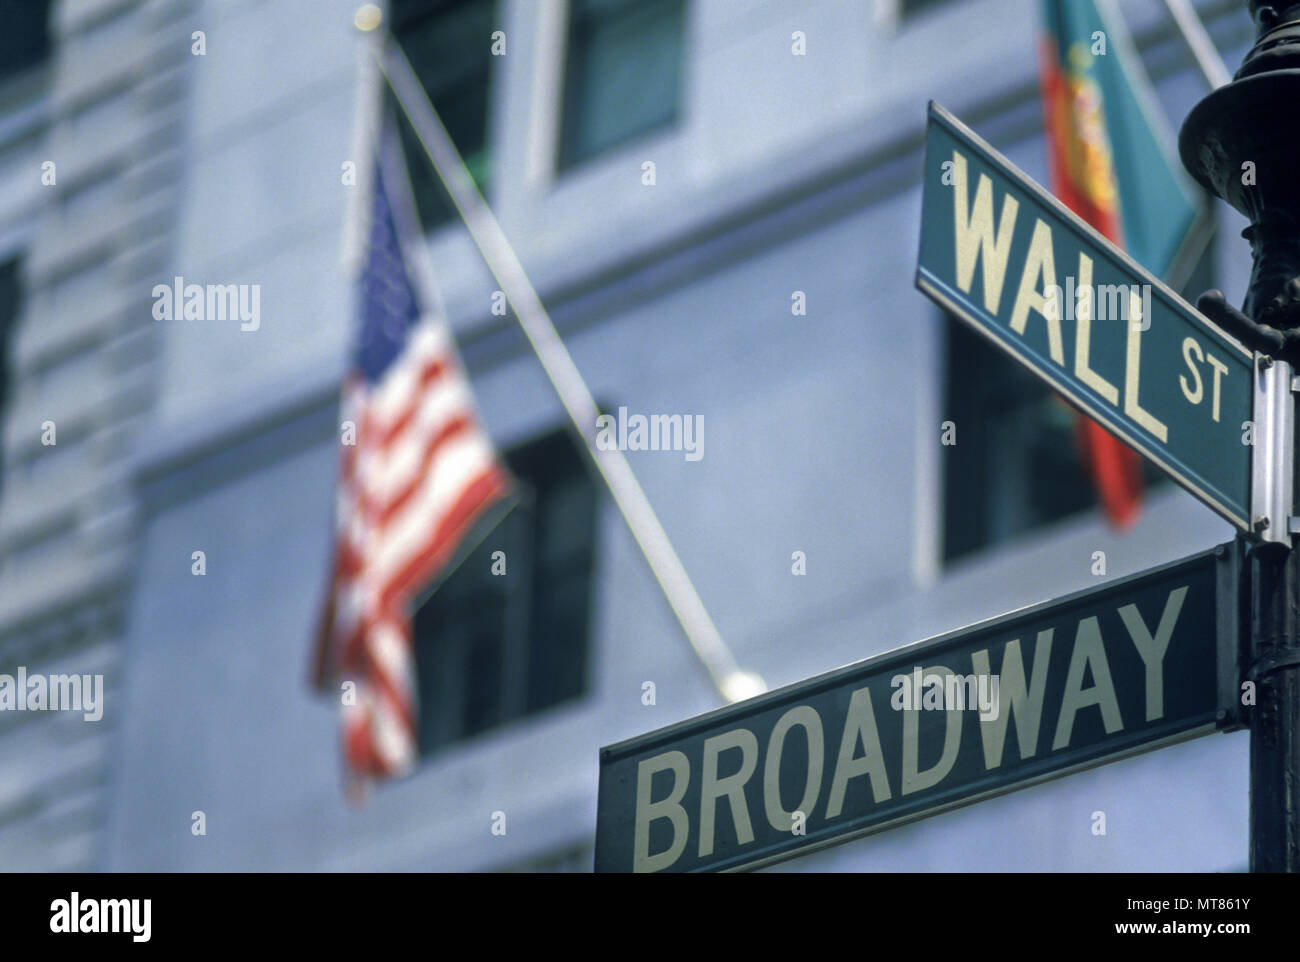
(731, 682)
(1198, 40)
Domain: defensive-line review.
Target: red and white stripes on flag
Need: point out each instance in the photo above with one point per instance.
(418, 474)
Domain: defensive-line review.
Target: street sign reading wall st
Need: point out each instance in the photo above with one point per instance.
(1135, 664)
(1005, 256)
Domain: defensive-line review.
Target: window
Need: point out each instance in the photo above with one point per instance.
(10, 305)
(25, 39)
(1016, 465)
(449, 45)
(623, 74)
(492, 648)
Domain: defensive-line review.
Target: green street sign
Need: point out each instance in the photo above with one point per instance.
(1005, 256)
(1119, 669)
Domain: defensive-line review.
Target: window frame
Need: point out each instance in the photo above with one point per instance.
(568, 116)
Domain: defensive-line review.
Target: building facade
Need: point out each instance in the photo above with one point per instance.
(175, 535)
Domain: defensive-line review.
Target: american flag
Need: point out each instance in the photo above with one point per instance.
(421, 473)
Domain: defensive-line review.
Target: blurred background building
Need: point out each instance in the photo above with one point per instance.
(218, 158)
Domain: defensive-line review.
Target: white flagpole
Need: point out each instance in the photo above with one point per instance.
(726, 674)
(365, 131)
(1198, 40)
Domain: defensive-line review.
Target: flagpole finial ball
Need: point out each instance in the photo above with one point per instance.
(368, 17)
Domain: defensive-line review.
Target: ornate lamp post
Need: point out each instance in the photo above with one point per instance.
(1242, 143)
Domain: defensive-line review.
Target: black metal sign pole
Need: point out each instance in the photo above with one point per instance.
(1274, 720)
(1242, 142)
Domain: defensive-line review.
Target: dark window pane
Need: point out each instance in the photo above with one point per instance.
(624, 72)
(558, 655)
(563, 515)
(458, 636)
(449, 45)
(1015, 465)
(25, 38)
(563, 545)
(483, 683)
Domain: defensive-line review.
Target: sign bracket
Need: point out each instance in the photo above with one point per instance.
(1231, 628)
(1272, 468)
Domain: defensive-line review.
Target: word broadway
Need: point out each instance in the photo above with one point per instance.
(658, 432)
(83, 693)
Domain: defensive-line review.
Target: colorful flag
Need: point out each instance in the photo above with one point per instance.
(1111, 164)
(418, 472)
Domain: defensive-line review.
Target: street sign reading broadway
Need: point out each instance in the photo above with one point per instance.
(1032, 695)
(1008, 258)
